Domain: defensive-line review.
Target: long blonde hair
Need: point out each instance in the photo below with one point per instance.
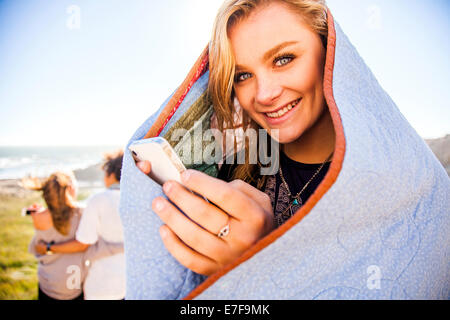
(222, 63)
(55, 192)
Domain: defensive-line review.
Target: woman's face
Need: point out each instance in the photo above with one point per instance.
(279, 71)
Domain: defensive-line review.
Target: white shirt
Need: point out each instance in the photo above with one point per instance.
(106, 277)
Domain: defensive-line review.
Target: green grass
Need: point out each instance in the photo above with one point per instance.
(18, 268)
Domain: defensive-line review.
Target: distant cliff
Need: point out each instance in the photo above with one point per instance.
(91, 174)
(441, 148)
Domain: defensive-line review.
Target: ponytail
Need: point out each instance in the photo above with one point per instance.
(55, 193)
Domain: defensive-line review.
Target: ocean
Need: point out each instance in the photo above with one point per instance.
(18, 162)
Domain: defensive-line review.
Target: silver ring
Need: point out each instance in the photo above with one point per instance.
(225, 231)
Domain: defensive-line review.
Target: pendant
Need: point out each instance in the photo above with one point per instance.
(296, 201)
(293, 207)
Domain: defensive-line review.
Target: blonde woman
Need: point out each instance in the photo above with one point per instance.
(100, 220)
(61, 276)
(279, 86)
(346, 212)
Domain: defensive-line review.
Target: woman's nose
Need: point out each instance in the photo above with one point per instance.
(268, 91)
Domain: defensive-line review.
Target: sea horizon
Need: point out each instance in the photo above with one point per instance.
(17, 162)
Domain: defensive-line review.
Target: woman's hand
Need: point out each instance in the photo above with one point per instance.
(41, 248)
(193, 238)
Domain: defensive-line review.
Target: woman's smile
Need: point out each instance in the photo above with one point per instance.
(281, 114)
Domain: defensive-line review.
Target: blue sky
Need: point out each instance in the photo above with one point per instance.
(94, 80)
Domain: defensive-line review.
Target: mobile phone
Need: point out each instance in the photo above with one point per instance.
(32, 209)
(27, 212)
(166, 165)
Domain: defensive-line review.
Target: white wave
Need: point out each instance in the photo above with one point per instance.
(18, 162)
(6, 163)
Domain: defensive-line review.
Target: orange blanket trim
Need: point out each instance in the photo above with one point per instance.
(326, 184)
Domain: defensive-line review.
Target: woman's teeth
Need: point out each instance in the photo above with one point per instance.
(283, 111)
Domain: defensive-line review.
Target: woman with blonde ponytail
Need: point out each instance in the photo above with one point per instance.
(61, 275)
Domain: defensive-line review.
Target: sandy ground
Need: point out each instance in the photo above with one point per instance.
(13, 188)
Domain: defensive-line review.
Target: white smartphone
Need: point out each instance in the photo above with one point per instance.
(166, 165)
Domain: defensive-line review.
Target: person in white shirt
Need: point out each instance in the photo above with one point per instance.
(100, 219)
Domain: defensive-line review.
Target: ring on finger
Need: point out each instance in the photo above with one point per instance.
(225, 231)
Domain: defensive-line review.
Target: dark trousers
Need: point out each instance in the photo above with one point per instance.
(43, 297)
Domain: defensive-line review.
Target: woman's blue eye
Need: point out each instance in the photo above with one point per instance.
(242, 76)
(281, 61)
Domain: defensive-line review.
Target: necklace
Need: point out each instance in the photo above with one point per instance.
(297, 200)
